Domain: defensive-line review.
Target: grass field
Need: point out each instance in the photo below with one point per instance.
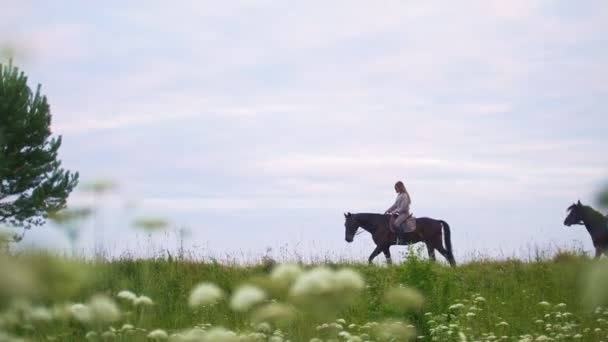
(506, 300)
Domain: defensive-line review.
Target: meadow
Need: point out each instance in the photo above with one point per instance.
(45, 298)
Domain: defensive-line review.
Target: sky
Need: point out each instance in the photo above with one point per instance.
(256, 124)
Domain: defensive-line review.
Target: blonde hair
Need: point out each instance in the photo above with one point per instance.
(401, 188)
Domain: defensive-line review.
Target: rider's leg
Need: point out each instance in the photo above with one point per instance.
(400, 223)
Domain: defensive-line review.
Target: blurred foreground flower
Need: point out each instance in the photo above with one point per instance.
(204, 294)
(39, 275)
(404, 298)
(151, 224)
(595, 284)
(100, 186)
(245, 297)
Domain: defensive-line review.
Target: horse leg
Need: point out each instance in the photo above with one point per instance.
(598, 252)
(387, 254)
(446, 255)
(431, 251)
(374, 254)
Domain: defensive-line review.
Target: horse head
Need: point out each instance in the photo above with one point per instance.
(575, 215)
(351, 226)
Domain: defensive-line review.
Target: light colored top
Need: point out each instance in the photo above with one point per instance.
(402, 204)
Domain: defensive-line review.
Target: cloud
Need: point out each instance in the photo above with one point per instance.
(219, 107)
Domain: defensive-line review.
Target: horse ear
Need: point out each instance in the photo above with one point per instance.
(345, 215)
(579, 202)
(349, 214)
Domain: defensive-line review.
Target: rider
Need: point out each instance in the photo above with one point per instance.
(401, 207)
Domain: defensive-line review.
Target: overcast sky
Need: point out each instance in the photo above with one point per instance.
(257, 124)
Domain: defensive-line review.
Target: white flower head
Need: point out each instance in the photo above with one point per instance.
(127, 327)
(205, 293)
(274, 312)
(347, 279)
(81, 313)
(143, 301)
(40, 314)
(456, 306)
(395, 330)
(108, 335)
(158, 334)
(313, 282)
(220, 334)
(480, 299)
(104, 309)
(127, 295)
(245, 297)
(285, 273)
(264, 328)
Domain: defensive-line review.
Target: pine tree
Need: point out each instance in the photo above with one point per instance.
(32, 182)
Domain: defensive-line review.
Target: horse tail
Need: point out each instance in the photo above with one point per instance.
(448, 240)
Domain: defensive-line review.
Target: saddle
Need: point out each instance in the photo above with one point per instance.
(410, 222)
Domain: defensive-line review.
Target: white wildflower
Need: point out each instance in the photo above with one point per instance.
(158, 334)
(108, 335)
(544, 303)
(313, 282)
(127, 295)
(245, 297)
(285, 273)
(347, 279)
(104, 309)
(127, 327)
(81, 312)
(205, 293)
(143, 301)
(220, 334)
(273, 312)
(264, 328)
(40, 314)
(480, 299)
(395, 330)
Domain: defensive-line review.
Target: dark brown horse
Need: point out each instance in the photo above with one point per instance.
(378, 225)
(594, 221)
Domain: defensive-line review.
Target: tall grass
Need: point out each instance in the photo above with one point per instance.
(481, 299)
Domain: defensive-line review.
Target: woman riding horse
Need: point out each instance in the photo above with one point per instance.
(402, 209)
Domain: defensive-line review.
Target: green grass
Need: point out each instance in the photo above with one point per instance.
(512, 290)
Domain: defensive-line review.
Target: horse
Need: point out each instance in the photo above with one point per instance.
(378, 225)
(595, 222)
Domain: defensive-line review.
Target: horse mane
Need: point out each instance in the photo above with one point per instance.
(591, 212)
